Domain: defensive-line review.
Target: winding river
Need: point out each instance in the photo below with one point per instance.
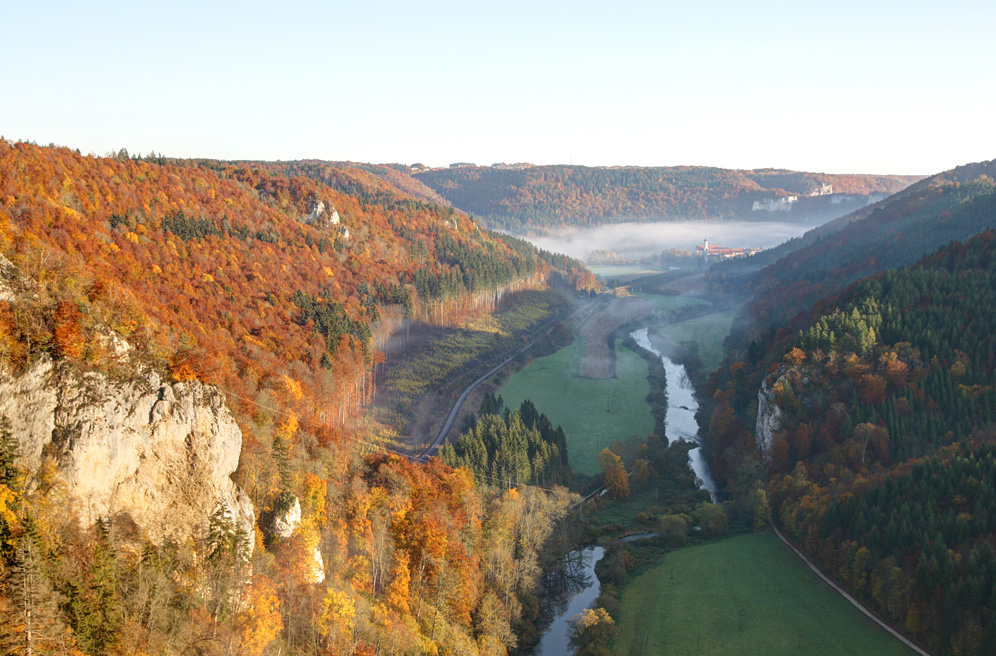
(680, 424)
(580, 585)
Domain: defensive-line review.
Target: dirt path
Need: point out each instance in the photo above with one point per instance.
(857, 604)
(599, 360)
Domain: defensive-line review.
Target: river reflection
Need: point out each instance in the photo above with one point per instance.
(568, 589)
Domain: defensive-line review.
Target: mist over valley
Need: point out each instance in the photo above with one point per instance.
(633, 241)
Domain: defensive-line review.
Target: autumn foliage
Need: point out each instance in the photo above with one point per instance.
(230, 273)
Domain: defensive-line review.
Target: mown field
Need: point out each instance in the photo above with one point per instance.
(593, 413)
(708, 331)
(748, 595)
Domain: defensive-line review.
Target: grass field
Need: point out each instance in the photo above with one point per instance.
(593, 413)
(709, 331)
(743, 595)
(617, 270)
(667, 303)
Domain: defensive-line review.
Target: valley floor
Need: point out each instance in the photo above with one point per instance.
(746, 594)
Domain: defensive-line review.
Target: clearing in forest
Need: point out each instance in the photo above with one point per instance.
(746, 594)
(593, 412)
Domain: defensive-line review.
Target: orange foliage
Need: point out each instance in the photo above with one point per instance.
(259, 622)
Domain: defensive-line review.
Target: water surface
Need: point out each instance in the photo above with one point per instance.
(680, 424)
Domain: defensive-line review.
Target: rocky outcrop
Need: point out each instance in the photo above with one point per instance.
(156, 453)
(282, 524)
(769, 420)
(321, 217)
(11, 281)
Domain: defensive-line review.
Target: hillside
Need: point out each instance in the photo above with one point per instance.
(165, 322)
(552, 196)
(895, 232)
(873, 428)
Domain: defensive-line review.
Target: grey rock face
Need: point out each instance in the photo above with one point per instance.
(161, 454)
(769, 420)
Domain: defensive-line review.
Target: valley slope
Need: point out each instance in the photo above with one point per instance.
(865, 419)
(165, 322)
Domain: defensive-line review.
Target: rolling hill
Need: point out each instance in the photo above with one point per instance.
(538, 197)
(895, 232)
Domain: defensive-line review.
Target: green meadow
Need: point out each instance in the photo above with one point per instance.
(593, 413)
(708, 331)
(748, 595)
(616, 270)
(665, 303)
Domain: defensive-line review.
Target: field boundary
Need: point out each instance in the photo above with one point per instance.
(857, 604)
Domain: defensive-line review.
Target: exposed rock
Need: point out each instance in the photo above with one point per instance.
(161, 454)
(318, 567)
(10, 280)
(283, 524)
(317, 212)
(769, 420)
(321, 217)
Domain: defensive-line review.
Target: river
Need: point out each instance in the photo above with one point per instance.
(680, 424)
(578, 575)
(580, 588)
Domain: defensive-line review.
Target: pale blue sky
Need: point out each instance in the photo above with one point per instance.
(871, 87)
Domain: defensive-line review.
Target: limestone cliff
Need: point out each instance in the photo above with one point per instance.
(159, 454)
(769, 420)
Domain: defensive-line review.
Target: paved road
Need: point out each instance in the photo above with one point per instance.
(845, 595)
(452, 416)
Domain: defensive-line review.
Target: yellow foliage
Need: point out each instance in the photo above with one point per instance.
(292, 387)
(315, 491)
(207, 277)
(428, 646)
(328, 271)
(8, 499)
(132, 237)
(288, 427)
(260, 622)
(338, 615)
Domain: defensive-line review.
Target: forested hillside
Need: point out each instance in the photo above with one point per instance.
(554, 196)
(895, 232)
(272, 282)
(873, 429)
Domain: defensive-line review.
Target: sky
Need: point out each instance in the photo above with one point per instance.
(844, 87)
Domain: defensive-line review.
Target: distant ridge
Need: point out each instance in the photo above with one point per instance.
(896, 232)
(537, 197)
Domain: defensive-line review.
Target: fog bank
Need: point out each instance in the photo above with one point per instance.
(636, 240)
